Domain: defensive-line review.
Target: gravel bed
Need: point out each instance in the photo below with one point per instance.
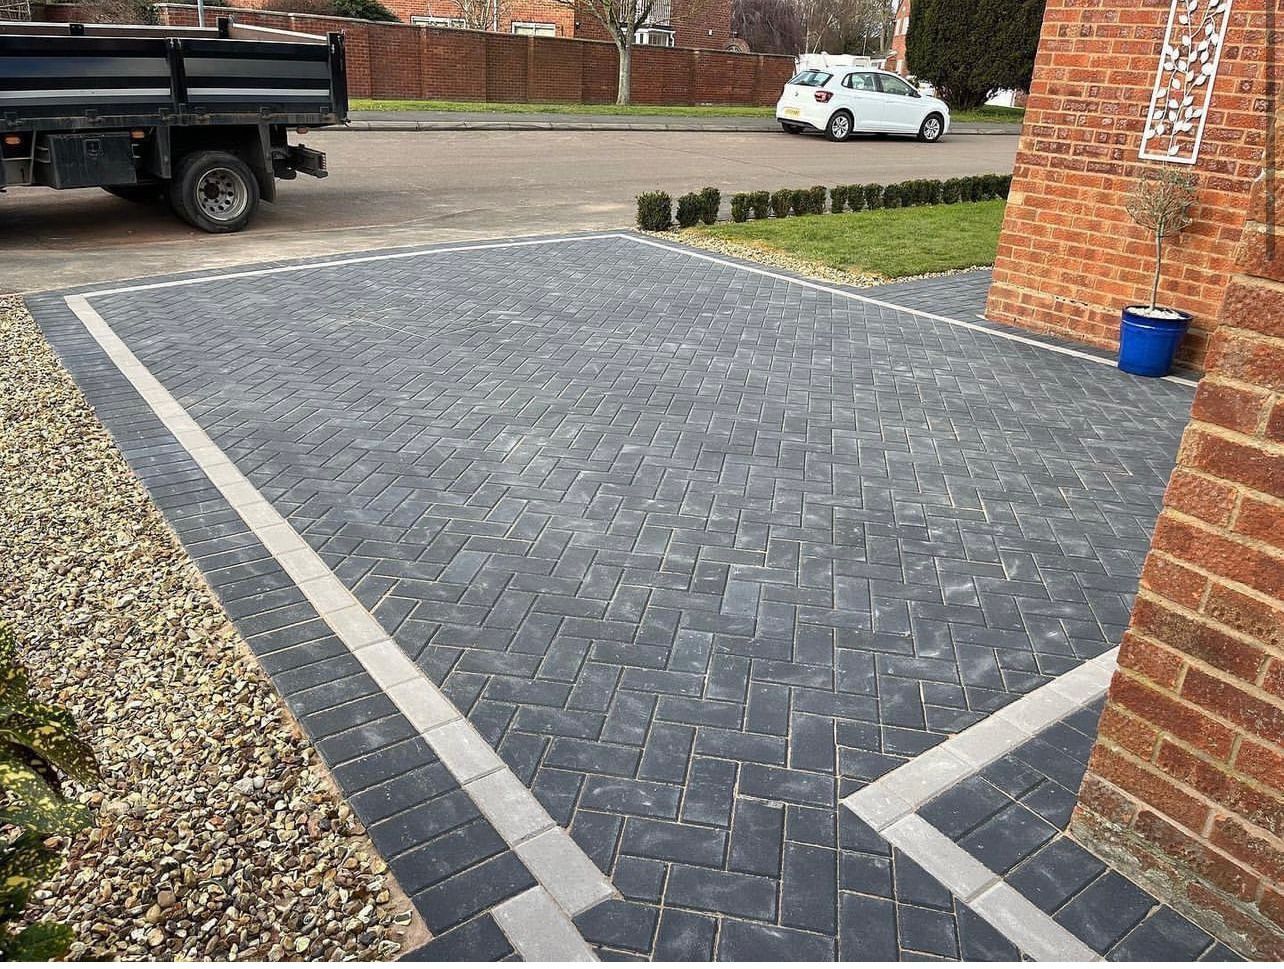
(218, 833)
(779, 259)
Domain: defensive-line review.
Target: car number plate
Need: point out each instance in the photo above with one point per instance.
(792, 112)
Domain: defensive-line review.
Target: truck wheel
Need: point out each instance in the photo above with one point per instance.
(214, 191)
(147, 192)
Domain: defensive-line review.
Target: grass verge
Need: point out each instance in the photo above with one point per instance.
(890, 243)
(988, 114)
(505, 107)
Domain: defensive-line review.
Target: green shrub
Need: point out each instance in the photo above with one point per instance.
(994, 186)
(873, 196)
(934, 191)
(710, 202)
(952, 191)
(971, 188)
(690, 208)
(760, 202)
(855, 197)
(740, 207)
(39, 746)
(837, 198)
(798, 201)
(816, 196)
(892, 197)
(781, 201)
(655, 211)
(1005, 186)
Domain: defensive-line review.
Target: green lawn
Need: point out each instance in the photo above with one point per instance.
(504, 107)
(984, 114)
(889, 242)
(989, 113)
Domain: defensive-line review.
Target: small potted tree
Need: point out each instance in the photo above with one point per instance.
(1150, 333)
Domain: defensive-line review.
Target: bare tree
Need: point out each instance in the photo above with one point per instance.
(768, 26)
(1160, 202)
(622, 20)
(847, 26)
(481, 14)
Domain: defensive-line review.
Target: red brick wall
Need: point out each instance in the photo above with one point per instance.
(1069, 259)
(1186, 784)
(401, 61)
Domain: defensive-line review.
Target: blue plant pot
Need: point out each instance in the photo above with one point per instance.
(1148, 345)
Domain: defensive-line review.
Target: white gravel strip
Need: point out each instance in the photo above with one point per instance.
(218, 835)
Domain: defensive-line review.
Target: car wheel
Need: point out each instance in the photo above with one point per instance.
(932, 128)
(144, 192)
(791, 129)
(839, 127)
(214, 191)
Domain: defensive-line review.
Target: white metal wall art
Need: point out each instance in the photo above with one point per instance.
(1184, 81)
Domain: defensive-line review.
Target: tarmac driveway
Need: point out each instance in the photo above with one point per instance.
(698, 550)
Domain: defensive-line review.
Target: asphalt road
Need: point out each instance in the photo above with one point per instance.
(405, 188)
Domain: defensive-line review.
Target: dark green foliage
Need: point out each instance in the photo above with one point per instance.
(952, 191)
(934, 187)
(364, 10)
(968, 49)
(1005, 185)
(690, 208)
(710, 201)
(798, 201)
(760, 202)
(837, 198)
(873, 196)
(655, 211)
(816, 196)
(855, 197)
(740, 207)
(892, 197)
(781, 201)
(38, 746)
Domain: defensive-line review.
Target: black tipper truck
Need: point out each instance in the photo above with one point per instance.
(198, 114)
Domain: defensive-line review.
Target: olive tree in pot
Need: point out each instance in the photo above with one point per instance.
(1149, 333)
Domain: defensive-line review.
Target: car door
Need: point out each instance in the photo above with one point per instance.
(859, 93)
(902, 106)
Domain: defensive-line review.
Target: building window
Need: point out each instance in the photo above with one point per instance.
(530, 29)
(654, 37)
(453, 23)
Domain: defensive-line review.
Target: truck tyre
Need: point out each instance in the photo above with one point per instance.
(214, 191)
(146, 192)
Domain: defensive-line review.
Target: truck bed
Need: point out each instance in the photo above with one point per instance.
(73, 76)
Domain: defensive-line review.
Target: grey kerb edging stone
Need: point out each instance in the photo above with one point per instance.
(889, 806)
(538, 922)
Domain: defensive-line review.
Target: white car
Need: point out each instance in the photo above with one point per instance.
(842, 101)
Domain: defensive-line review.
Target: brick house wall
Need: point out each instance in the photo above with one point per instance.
(696, 23)
(560, 15)
(1185, 788)
(898, 62)
(403, 61)
(1069, 258)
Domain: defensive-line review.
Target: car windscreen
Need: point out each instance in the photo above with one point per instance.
(811, 79)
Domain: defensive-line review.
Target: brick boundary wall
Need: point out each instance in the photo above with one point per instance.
(1185, 788)
(1069, 259)
(404, 61)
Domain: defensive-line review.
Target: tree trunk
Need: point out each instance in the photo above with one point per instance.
(625, 50)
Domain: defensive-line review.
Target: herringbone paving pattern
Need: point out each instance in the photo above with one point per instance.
(697, 550)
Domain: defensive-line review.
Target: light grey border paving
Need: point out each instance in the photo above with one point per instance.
(890, 804)
(569, 880)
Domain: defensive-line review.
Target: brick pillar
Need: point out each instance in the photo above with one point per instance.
(1185, 789)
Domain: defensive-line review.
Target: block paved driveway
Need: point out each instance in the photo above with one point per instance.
(698, 551)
